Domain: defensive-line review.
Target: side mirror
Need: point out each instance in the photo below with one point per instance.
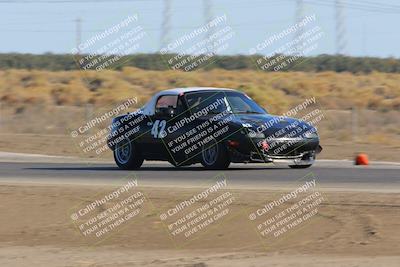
(165, 112)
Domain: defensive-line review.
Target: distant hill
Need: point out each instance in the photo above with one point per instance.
(57, 62)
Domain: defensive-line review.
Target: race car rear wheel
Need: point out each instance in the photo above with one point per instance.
(127, 156)
(215, 156)
(300, 166)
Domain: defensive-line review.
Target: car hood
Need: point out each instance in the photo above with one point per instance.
(270, 124)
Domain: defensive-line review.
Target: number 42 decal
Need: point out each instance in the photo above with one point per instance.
(158, 130)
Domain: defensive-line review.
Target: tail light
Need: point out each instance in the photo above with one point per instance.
(264, 145)
(233, 143)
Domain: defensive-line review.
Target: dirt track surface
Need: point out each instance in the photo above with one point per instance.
(350, 229)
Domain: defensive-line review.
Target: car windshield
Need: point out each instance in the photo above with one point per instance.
(234, 102)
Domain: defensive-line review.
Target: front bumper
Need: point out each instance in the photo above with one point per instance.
(296, 152)
(303, 158)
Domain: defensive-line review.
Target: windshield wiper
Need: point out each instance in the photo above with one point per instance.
(249, 112)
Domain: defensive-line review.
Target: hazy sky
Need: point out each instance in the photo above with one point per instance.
(371, 26)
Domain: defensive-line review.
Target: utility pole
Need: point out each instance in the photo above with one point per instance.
(299, 16)
(340, 28)
(78, 31)
(208, 16)
(166, 26)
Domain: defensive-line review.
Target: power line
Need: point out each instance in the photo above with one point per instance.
(252, 25)
(362, 5)
(355, 6)
(376, 4)
(70, 1)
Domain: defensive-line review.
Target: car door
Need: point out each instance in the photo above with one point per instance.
(176, 130)
(154, 146)
(187, 130)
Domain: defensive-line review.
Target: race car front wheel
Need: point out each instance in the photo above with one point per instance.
(127, 156)
(215, 156)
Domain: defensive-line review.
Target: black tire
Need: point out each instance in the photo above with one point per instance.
(219, 161)
(127, 156)
(300, 166)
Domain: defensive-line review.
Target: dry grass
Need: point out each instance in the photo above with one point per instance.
(276, 91)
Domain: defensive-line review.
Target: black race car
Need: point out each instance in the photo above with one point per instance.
(211, 126)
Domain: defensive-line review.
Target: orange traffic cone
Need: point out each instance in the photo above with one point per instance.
(361, 159)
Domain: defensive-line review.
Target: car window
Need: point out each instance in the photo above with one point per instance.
(233, 102)
(198, 101)
(167, 101)
(238, 105)
(241, 103)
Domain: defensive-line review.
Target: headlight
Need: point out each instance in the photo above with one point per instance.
(114, 125)
(311, 134)
(255, 134)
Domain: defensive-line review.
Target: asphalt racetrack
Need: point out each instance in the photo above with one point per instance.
(335, 175)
